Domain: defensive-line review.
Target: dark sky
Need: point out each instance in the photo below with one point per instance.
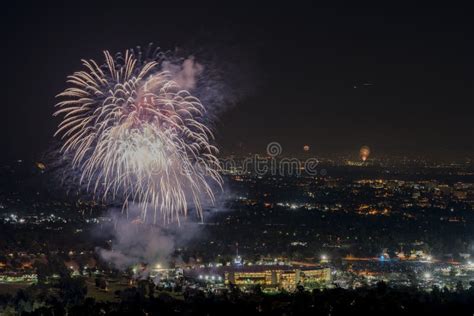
(305, 63)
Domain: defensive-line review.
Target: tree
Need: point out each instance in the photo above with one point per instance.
(73, 290)
(42, 271)
(101, 283)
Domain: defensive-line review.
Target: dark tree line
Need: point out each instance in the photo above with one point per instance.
(145, 300)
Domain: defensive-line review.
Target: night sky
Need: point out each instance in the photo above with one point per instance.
(399, 79)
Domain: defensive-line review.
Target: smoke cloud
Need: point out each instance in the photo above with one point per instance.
(135, 242)
(219, 75)
(185, 74)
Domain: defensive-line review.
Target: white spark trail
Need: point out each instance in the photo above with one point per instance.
(134, 133)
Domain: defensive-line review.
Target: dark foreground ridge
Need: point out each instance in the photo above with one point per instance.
(69, 297)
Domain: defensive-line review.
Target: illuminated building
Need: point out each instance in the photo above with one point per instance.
(286, 278)
(248, 278)
(312, 277)
(289, 280)
(460, 195)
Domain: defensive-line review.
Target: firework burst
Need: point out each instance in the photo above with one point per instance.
(134, 134)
